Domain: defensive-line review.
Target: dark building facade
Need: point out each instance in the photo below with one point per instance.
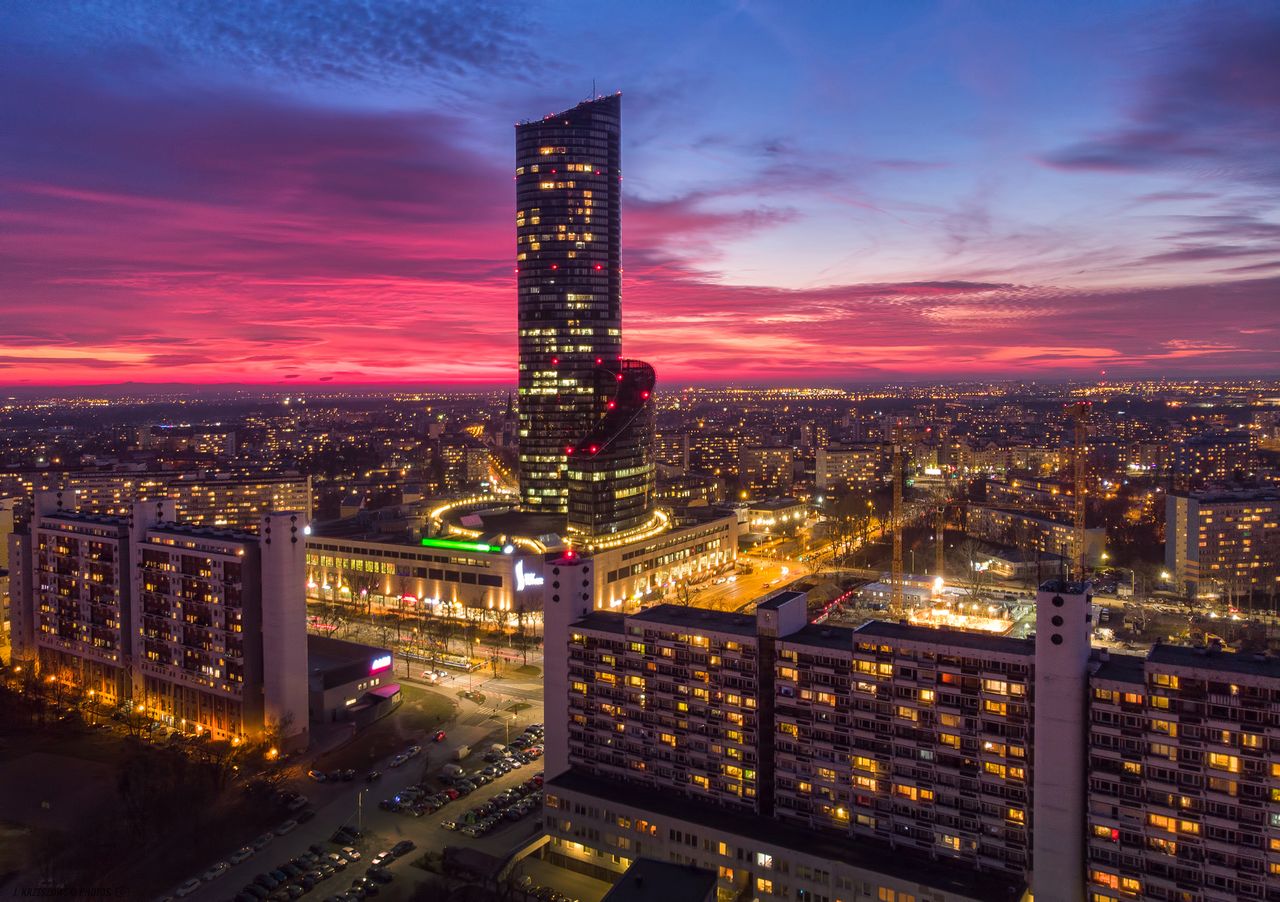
(610, 474)
(568, 258)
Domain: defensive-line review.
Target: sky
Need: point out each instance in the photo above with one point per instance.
(843, 191)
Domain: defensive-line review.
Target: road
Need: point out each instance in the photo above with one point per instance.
(743, 588)
(336, 804)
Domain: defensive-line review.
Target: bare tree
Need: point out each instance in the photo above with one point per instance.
(522, 617)
(972, 575)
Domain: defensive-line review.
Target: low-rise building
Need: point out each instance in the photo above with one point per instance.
(349, 681)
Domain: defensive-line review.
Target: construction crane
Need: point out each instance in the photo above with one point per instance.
(895, 580)
(1079, 413)
(940, 534)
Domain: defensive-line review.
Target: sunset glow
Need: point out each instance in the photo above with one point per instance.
(906, 191)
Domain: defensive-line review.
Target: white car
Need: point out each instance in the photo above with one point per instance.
(216, 871)
(187, 888)
(350, 854)
(397, 761)
(241, 854)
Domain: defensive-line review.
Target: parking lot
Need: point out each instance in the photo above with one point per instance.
(357, 803)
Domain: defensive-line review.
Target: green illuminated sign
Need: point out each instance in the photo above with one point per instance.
(455, 545)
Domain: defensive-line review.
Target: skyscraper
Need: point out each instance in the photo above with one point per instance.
(568, 244)
(611, 468)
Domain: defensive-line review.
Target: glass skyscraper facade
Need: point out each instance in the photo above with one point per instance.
(568, 257)
(611, 469)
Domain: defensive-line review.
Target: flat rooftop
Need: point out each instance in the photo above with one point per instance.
(507, 521)
(860, 852)
(1122, 668)
(909, 632)
(325, 653)
(1215, 659)
(649, 878)
(698, 618)
(821, 635)
(773, 602)
(773, 504)
(603, 622)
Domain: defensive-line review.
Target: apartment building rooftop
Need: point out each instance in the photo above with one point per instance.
(860, 853)
(1121, 669)
(1214, 659)
(839, 638)
(694, 618)
(204, 532)
(603, 621)
(883, 629)
(95, 519)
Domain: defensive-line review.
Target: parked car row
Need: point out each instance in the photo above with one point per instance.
(542, 893)
(301, 875)
(333, 776)
(510, 805)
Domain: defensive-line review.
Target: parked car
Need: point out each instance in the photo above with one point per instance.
(286, 827)
(318, 775)
(216, 871)
(241, 854)
(404, 847)
(262, 841)
(373, 776)
(187, 888)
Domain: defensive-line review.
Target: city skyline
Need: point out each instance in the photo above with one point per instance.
(888, 195)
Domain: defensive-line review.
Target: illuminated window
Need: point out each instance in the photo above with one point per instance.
(1102, 878)
(1221, 761)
